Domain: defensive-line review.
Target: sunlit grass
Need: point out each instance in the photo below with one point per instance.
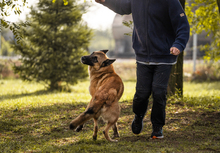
(210, 89)
(204, 95)
(15, 94)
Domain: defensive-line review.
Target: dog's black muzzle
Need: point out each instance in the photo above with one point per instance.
(83, 59)
(86, 60)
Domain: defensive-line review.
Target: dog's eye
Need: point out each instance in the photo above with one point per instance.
(94, 59)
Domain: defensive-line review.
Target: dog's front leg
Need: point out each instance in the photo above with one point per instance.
(80, 127)
(95, 129)
(91, 111)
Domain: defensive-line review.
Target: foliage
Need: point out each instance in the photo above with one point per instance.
(5, 49)
(205, 71)
(35, 120)
(65, 2)
(8, 7)
(205, 17)
(14, 6)
(53, 44)
(130, 25)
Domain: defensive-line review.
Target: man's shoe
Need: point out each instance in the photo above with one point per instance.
(137, 124)
(157, 132)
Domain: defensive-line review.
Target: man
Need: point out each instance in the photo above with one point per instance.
(160, 34)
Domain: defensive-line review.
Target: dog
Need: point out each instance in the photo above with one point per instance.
(106, 88)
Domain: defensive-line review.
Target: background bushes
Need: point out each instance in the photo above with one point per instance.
(6, 69)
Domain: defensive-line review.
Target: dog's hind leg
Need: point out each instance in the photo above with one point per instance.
(115, 130)
(105, 132)
(95, 119)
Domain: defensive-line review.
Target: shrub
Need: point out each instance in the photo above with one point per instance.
(6, 69)
(209, 72)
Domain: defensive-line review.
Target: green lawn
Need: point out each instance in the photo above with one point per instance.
(35, 120)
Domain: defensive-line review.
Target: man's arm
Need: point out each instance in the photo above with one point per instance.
(118, 6)
(180, 25)
(100, 1)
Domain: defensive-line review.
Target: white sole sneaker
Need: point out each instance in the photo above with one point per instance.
(157, 137)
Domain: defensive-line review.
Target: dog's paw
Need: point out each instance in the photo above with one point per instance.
(115, 140)
(115, 136)
(72, 127)
(79, 128)
(94, 137)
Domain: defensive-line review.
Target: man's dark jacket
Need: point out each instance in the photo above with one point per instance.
(158, 26)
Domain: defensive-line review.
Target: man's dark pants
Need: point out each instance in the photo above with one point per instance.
(152, 79)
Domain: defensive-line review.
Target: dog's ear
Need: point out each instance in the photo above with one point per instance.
(104, 51)
(107, 62)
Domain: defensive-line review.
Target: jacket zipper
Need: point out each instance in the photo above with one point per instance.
(147, 44)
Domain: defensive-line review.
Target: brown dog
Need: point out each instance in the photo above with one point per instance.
(106, 88)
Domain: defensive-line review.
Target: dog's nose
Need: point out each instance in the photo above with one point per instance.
(83, 59)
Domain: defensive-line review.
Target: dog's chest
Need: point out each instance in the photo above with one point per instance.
(91, 90)
(95, 84)
(93, 87)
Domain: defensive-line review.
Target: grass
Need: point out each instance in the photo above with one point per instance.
(35, 120)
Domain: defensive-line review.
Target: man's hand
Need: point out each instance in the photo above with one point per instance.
(174, 51)
(100, 1)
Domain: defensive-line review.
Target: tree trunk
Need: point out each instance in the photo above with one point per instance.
(176, 76)
(182, 2)
(218, 3)
(179, 75)
(172, 81)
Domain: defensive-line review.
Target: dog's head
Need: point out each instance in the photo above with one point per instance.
(97, 59)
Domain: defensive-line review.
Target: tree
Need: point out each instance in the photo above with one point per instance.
(53, 44)
(206, 18)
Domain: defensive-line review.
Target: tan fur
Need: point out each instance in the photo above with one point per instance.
(106, 88)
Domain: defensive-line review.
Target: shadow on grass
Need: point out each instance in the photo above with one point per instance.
(37, 126)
